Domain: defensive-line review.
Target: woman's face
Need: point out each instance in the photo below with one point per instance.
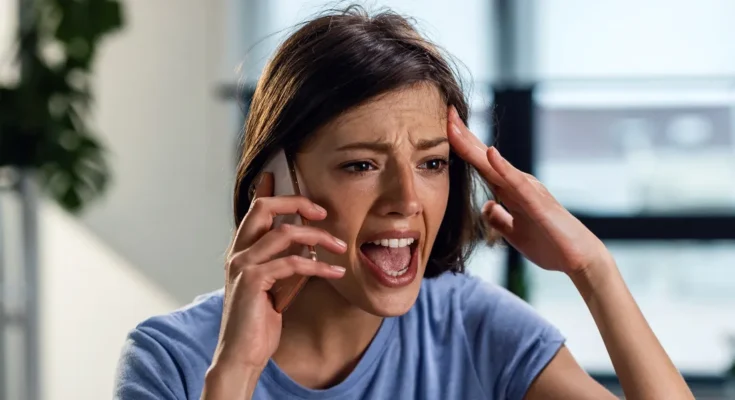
(381, 171)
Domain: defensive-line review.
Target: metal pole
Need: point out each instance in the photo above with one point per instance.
(3, 301)
(29, 213)
(514, 110)
(29, 204)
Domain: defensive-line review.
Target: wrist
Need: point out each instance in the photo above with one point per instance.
(227, 381)
(593, 279)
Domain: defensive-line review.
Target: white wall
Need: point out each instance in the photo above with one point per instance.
(172, 143)
(90, 298)
(157, 239)
(8, 26)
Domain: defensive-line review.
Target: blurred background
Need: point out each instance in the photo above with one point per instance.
(624, 109)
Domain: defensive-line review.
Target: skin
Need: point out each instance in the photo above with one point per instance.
(400, 182)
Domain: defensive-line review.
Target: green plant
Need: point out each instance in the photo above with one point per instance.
(43, 115)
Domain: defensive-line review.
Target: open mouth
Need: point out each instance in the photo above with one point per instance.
(392, 260)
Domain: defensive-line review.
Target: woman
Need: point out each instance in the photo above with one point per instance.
(376, 121)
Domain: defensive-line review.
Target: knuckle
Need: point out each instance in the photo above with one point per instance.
(295, 260)
(285, 229)
(252, 274)
(234, 262)
(258, 205)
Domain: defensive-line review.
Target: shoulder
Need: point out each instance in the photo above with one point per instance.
(469, 296)
(166, 356)
(197, 320)
(478, 302)
(510, 343)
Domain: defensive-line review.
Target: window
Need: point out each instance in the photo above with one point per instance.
(628, 38)
(638, 148)
(633, 130)
(686, 290)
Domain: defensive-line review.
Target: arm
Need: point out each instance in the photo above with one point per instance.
(640, 362)
(564, 379)
(643, 367)
(229, 383)
(533, 222)
(519, 354)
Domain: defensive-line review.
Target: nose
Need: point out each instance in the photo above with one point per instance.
(399, 197)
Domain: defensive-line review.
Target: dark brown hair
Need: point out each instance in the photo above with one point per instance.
(339, 61)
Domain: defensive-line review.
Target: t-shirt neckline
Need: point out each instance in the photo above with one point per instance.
(375, 349)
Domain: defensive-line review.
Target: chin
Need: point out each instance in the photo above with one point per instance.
(390, 304)
(384, 294)
(390, 290)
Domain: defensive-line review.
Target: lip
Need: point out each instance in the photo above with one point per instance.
(380, 275)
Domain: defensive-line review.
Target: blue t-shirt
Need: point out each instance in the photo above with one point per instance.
(462, 339)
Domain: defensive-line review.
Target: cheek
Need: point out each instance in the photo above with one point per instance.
(434, 196)
(345, 214)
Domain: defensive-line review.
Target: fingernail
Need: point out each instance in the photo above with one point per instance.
(260, 180)
(456, 129)
(337, 268)
(340, 243)
(320, 209)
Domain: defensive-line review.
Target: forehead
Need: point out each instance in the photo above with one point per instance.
(418, 111)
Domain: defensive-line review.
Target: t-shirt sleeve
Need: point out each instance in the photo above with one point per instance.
(146, 371)
(511, 343)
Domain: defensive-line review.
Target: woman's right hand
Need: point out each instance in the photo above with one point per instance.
(251, 328)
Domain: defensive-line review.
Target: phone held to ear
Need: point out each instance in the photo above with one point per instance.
(286, 182)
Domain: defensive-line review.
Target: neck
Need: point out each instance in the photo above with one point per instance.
(323, 328)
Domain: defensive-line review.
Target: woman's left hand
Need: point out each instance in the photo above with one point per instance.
(532, 221)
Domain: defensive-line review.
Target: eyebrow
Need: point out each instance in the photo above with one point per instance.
(384, 147)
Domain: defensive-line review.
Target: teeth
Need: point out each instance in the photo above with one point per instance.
(394, 243)
(396, 273)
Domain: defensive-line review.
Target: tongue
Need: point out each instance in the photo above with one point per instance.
(387, 258)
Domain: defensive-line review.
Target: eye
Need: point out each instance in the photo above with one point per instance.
(435, 164)
(359, 166)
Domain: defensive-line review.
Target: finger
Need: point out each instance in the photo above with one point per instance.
(282, 268)
(498, 218)
(259, 219)
(471, 137)
(470, 149)
(280, 239)
(263, 187)
(518, 184)
(505, 199)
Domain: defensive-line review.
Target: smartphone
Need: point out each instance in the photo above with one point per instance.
(288, 182)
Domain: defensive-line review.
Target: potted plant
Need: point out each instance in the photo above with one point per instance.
(43, 114)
